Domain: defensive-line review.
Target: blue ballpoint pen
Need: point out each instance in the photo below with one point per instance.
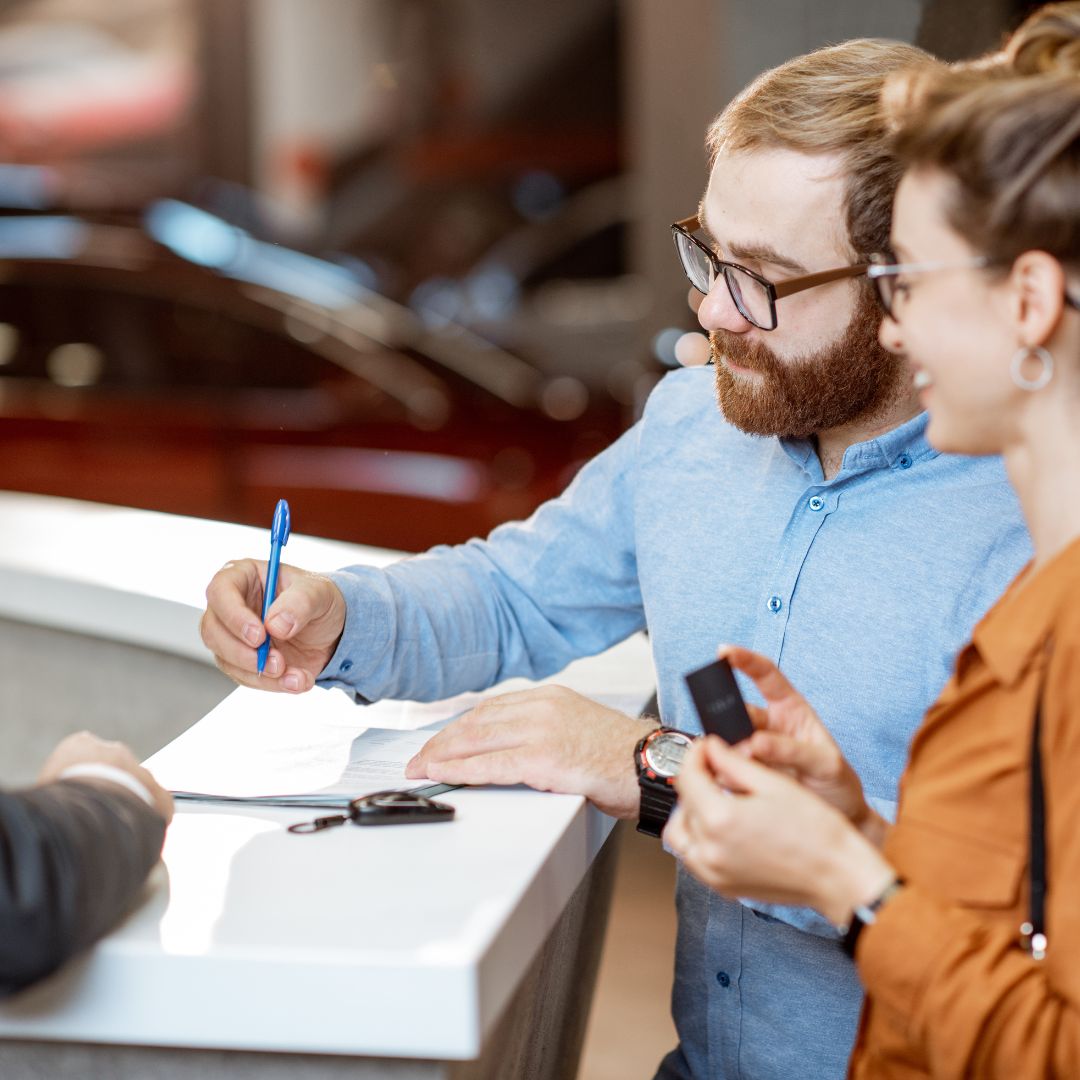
(279, 537)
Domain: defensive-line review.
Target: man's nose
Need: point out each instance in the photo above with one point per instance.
(718, 310)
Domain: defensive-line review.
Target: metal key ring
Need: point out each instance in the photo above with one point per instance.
(319, 824)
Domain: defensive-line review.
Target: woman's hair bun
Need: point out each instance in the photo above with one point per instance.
(1048, 42)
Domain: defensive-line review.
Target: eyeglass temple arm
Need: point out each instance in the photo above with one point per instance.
(792, 285)
(808, 281)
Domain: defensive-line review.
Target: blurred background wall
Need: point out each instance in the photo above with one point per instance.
(404, 262)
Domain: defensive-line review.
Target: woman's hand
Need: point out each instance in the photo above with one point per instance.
(790, 736)
(746, 830)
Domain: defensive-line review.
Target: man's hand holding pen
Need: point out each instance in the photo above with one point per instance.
(305, 621)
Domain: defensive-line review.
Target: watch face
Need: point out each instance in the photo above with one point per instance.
(664, 754)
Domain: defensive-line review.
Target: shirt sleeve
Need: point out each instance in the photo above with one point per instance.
(98, 770)
(970, 1000)
(73, 856)
(524, 602)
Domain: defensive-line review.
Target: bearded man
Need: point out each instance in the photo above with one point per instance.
(807, 517)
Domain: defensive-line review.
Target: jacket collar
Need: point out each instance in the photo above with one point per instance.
(1020, 623)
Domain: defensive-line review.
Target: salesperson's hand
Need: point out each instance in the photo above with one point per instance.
(550, 738)
(84, 748)
(305, 622)
(749, 831)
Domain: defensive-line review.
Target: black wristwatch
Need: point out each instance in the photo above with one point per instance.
(658, 757)
(866, 915)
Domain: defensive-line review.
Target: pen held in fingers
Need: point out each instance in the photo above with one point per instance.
(279, 537)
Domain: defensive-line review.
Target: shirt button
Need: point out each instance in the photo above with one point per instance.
(904, 461)
(817, 503)
(346, 665)
(775, 604)
(723, 978)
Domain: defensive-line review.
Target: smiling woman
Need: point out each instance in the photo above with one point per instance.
(961, 914)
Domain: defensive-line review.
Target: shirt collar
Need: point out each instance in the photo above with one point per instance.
(1021, 622)
(901, 446)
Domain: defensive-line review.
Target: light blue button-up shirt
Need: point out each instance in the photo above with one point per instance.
(862, 588)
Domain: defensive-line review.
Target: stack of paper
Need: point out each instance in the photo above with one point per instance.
(317, 749)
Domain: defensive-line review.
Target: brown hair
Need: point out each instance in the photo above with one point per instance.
(1007, 131)
(828, 102)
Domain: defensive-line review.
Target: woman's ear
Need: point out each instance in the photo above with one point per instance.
(1038, 287)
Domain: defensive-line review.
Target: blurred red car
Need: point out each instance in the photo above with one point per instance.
(179, 364)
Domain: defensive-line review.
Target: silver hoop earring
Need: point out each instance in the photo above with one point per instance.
(1040, 380)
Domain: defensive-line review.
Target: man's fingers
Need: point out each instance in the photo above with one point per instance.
(464, 739)
(505, 768)
(523, 703)
(228, 649)
(230, 595)
(289, 680)
(303, 598)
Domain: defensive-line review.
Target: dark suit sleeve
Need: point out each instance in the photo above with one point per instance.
(73, 856)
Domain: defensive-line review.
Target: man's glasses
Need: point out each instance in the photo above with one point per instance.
(885, 272)
(753, 295)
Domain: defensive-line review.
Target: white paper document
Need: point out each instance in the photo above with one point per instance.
(318, 749)
(315, 749)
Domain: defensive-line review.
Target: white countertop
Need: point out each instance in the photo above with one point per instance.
(402, 941)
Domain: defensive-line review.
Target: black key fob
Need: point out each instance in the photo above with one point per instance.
(719, 702)
(398, 808)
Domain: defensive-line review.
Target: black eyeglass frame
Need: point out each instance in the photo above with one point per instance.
(774, 290)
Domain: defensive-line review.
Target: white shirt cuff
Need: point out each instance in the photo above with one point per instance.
(101, 771)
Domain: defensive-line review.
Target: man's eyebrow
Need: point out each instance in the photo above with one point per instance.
(761, 253)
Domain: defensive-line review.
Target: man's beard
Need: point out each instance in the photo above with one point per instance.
(851, 379)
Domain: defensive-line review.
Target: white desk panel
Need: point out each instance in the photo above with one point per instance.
(393, 941)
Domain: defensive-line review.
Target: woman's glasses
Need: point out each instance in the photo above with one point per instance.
(886, 275)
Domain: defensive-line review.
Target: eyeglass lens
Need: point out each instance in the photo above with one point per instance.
(697, 266)
(748, 294)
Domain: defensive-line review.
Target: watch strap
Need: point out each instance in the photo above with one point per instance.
(866, 915)
(657, 802)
